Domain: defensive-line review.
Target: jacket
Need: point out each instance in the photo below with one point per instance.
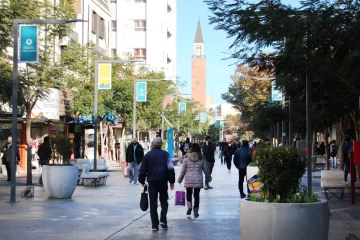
(44, 153)
(192, 169)
(157, 167)
(242, 157)
(346, 152)
(6, 158)
(139, 153)
(209, 152)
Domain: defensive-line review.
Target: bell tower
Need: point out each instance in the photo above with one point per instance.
(198, 83)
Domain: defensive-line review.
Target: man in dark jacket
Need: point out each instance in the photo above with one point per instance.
(158, 169)
(223, 145)
(44, 153)
(6, 158)
(209, 151)
(346, 155)
(134, 156)
(242, 158)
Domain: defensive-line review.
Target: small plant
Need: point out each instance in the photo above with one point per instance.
(280, 170)
(61, 147)
(252, 164)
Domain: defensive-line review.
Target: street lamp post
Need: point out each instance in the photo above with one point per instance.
(97, 62)
(15, 86)
(134, 100)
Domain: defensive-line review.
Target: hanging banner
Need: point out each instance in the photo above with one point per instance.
(170, 142)
(202, 117)
(29, 44)
(182, 109)
(141, 91)
(276, 94)
(104, 76)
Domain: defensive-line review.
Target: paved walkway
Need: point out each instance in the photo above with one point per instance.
(112, 212)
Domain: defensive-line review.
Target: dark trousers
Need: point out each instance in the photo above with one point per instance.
(347, 170)
(210, 166)
(228, 162)
(189, 192)
(8, 170)
(242, 174)
(156, 189)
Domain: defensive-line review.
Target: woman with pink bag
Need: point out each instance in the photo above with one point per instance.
(193, 167)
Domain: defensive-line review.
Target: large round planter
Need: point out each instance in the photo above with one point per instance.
(60, 181)
(284, 221)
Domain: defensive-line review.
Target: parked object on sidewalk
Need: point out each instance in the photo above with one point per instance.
(180, 198)
(92, 179)
(144, 200)
(28, 192)
(351, 236)
(333, 182)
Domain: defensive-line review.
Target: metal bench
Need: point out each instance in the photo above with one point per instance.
(92, 179)
(333, 182)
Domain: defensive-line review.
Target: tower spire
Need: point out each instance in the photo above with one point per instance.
(198, 35)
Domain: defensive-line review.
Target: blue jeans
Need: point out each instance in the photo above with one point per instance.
(222, 156)
(134, 166)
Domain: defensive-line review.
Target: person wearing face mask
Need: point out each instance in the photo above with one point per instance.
(6, 158)
(134, 156)
(209, 154)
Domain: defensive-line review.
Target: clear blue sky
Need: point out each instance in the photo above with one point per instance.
(216, 45)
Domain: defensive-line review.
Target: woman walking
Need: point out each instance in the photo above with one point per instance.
(193, 167)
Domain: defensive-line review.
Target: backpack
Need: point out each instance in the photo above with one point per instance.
(186, 147)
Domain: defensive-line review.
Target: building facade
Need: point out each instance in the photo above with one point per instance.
(198, 82)
(145, 30)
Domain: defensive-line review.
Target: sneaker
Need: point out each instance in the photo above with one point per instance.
(209, 187)
(155, 228)
(130, 181)
(136, 183)
(243, 195)
(163, 225)
(206, 188)
(229, 171)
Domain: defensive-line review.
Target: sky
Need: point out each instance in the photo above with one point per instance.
(217, 44)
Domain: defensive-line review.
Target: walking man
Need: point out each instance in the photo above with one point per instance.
(223, 145)
(134, 156)
(209, 152)
(242, 158)
(158, 170)
(6, 158)
(44, 153)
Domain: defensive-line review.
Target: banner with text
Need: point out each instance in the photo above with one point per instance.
(141, 91)
(29, 44)
(104, 76)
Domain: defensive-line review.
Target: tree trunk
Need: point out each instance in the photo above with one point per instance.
(327, 153)
(342, 141)
(111, 145)
(29, 146)
(101, 152)
(122, 145)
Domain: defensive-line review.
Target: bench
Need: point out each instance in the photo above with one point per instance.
(100, 165)
(333, 182)
(320, 161)
(92, 179)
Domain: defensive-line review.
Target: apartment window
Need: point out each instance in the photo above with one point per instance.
(113, 26)
(140, 25)
(139, 1)
(93, 22)
(102, 28)
(140, 53)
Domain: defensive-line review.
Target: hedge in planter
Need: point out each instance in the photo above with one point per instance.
(280, 170)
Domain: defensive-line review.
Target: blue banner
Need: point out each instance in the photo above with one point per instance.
(141, 91)
(182, 109)
(202, 117)
(28, 44)
(276, 94)
(170, 141)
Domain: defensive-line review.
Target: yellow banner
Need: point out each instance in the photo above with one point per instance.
(104, 76)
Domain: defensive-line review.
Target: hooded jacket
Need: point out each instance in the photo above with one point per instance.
(192, 169)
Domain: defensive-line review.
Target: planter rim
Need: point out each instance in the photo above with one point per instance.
(320, 201)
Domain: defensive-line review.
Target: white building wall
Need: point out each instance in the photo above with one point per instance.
(159, 38)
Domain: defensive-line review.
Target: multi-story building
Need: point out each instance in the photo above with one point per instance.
(145, 30)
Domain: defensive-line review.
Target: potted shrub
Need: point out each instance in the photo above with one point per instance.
(281, 212)
(60, 177)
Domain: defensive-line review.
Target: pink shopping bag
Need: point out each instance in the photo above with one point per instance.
(179, 198)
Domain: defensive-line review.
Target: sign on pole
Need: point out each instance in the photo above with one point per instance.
(104, 76)
(28, 44)
(202, 117)
(141, 91)
(170, 141)
(182, 108)
(275, 93)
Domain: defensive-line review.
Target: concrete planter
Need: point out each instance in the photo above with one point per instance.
(284, 221)
(60, 181)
